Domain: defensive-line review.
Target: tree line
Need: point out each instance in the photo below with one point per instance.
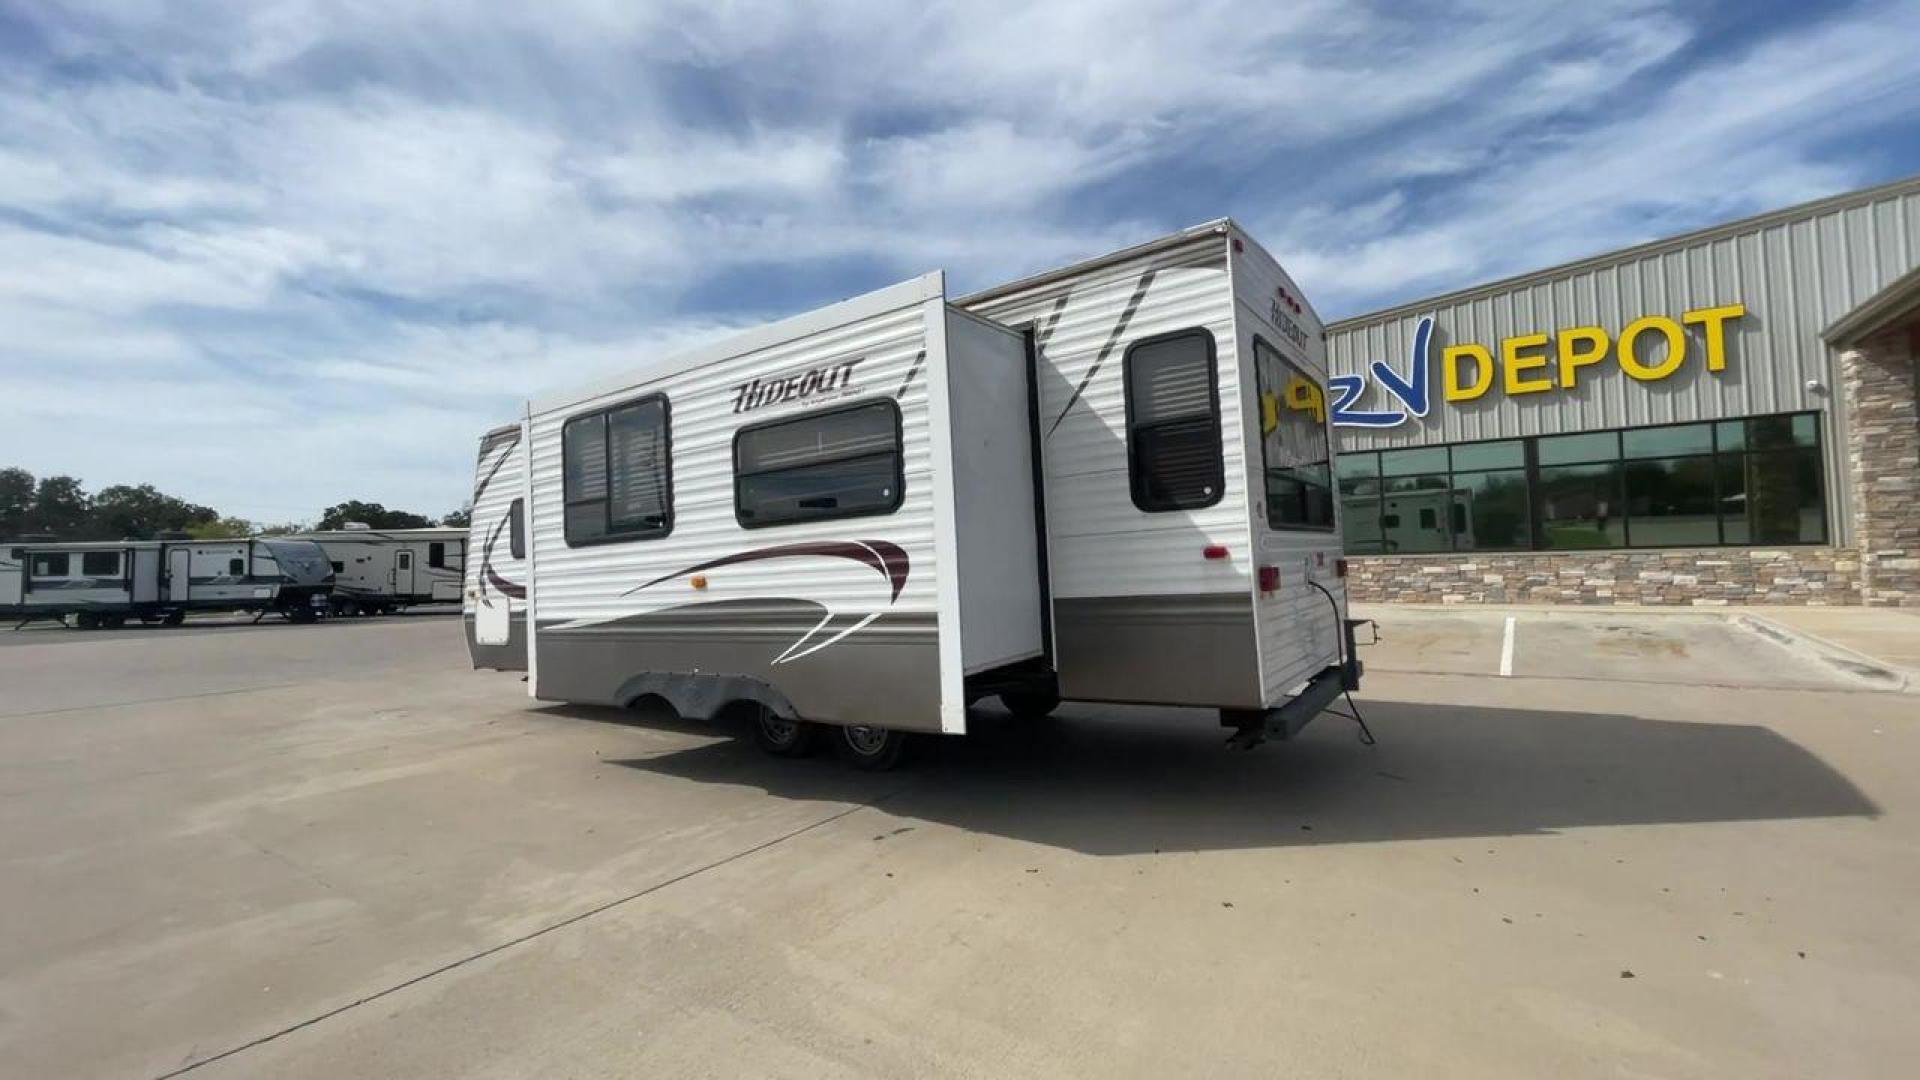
(60, 507)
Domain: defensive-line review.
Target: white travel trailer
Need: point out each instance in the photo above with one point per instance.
(494, 609)
(378, 571)
(1108, 483)
(105, 583)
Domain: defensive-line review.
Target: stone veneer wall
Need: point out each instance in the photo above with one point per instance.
(1694, 576)
(1883, 460)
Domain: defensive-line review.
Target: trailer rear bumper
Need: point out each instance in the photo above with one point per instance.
(1284, 721)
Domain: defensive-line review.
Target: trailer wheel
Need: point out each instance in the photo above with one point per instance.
(174, 617)
(875, 749)
(782, 737)
(1031, 704)
(87, 620)
(301, 615)
(113, 622)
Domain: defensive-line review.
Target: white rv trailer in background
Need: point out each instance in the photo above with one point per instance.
(1108, 483)
(494, 607)
(377, 571)
(105, 583)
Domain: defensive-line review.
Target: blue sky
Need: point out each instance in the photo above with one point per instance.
(271, 256)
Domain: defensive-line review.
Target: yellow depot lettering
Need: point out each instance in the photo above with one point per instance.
(1580, 346)
(1676, 348)
(1713, 321)
(1512, 363)
(1450, 358)
(1304, 396)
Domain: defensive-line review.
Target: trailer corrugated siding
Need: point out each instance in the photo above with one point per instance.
(600, 611)
(1103, 545)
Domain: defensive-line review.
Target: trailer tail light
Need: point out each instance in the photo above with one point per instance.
(1269, 579)
(1339, 568)
(1214, 551)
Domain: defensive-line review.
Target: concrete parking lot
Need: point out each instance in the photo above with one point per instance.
(1652, 847)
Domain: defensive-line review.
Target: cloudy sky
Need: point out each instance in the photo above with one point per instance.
(271, 256)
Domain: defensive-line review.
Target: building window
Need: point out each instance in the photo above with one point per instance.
(437, 555)
(1579, 506)
(50, 564)
(617, 473)
(517, 529)
(1174, 458)
(1357, 475)
(100, 564)
(1293, 443)
(1752, 481)
(840, 463)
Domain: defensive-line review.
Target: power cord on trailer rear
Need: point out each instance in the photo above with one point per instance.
(1340, 646)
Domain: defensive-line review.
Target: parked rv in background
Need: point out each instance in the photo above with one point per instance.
(379, 571)
(494, 606)
(1113, 482)
(106, 583)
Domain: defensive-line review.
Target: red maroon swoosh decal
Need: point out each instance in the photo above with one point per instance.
(489, 574)
(491, 473)
(888, 558)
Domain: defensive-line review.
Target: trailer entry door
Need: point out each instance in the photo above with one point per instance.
(179, 574)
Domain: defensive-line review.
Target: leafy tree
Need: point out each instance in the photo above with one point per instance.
(143, 513)
(372, 515)
(283, 528)
(60, 507)
(225, 528)
(16, 501)
(459, 519)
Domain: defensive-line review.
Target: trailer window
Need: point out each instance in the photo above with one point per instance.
(617, 473)
(1173, 422)
(517, 529)
(1293, 443)
(237, 567)
(53, 564)
(841, 463)
(437, 555)
(100, 564)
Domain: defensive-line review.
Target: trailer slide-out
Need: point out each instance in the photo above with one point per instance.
(1111, 482)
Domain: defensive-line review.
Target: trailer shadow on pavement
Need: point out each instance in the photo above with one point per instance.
(1124, 781)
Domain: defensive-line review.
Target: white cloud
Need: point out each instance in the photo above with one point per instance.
(357, 232)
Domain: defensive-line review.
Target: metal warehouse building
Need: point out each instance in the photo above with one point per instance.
(1725, 417)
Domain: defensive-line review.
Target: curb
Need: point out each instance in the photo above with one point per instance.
(1852, 662)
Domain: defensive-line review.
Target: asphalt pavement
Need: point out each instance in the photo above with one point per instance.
(1668, 850)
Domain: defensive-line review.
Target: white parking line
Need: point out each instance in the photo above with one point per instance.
(1506, 651)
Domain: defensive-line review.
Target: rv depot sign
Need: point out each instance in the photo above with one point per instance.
(1532, 364)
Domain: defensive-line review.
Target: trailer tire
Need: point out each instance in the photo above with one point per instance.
(174, 617)
(875, 749)
(783, 737)
(1031, 704)
(87, 620)
(113, 622)
(301, 615)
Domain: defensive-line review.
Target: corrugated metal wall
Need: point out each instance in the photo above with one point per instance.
(1796, 271)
